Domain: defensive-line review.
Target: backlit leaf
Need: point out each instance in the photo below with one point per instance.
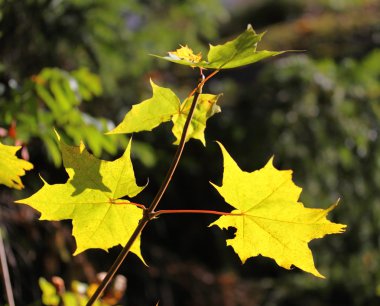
(165, 106)
(11, 167)
(268, 217)
(91, 197)
(235, 53)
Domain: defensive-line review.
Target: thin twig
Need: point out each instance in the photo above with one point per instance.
(203, 81)
(149, 213)
(4, 268)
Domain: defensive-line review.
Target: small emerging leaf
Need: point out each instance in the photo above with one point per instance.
(92, 199)
(11, 167)
(185, 53)
(206, 107)
(268, 217)
(235, 53)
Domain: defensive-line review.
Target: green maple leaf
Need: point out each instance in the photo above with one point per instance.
(91, 197)
(11, 167)
(165, 106)
(235, 53)
(268, 217)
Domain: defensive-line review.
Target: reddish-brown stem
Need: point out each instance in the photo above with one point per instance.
(204, 80)
(150, 210)
(4, 269)
(192, 211)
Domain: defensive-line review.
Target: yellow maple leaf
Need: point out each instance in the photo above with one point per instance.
(92, 198)
(12, 167)
(268, 218)
(187, 54)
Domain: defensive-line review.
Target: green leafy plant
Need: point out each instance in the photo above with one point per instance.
(55, 293)
(52, 99)
(268, 217)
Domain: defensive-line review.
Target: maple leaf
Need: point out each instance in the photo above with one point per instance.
(12, 167)
(165, 106)
(268, 217)
(238, 52)
(91, 197)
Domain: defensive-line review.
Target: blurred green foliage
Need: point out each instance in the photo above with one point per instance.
(50, 100)
(77, 295)
(55, 293)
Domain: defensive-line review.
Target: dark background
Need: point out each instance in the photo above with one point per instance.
(317, 111)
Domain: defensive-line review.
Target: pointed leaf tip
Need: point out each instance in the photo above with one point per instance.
(57, 134)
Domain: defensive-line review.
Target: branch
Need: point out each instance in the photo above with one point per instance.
(4, 268)
(150, 211)
(192, 211)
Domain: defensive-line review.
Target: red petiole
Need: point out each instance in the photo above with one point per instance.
(192, 211)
